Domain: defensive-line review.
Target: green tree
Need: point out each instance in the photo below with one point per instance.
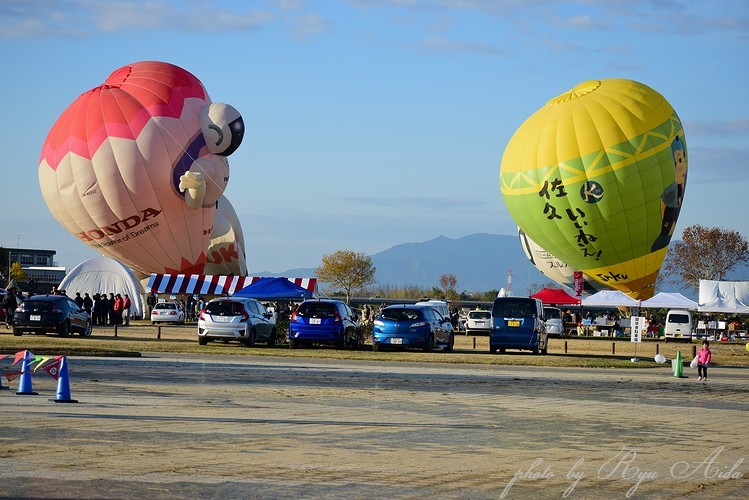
(17, 273)
(707, 253)
(347, 270)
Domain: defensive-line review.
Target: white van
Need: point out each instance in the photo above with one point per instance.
(678, 324)
(440, 305)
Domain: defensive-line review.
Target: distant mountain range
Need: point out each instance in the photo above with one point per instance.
(480, 262)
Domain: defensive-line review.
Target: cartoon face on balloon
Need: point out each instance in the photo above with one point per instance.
(134, 167)
(597, 178)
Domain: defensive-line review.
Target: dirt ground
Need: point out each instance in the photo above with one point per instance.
(169, 425)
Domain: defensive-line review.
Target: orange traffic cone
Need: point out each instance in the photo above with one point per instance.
(63, 384)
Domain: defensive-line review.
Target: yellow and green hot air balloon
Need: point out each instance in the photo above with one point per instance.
(597, 178)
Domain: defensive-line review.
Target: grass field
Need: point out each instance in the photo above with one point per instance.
(142, 337)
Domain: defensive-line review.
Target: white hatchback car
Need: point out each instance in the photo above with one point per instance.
(478, 321)
(553, 320)
(167, 312)
(241, 319)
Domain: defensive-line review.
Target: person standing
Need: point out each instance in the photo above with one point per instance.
(151, 302)
(110, 310)
(126, 309)
(9, 304)
(87, 303)
(118, 309)
(703, 360)
(104, 310)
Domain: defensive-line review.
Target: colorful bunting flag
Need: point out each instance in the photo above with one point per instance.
(20, 355)
(53, 368)
(39, 360)
(11, 376)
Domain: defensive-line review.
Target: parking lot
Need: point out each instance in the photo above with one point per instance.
(169, 425)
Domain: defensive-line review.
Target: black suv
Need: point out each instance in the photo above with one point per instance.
(51, 313)
(322, 321)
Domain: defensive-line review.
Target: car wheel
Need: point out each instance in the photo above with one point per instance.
(65, 331)
(202, 340)
(17, 332)
(272, 338)
(450, 343)
(86, 332)
(343, 341)
(376, 347)
(250, 341)
(429, 346)
(292, 344)
(501, 351)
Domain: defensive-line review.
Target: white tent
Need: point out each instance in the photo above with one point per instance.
(104, 275)
(668, 300)
(724, 296)
(609, 298)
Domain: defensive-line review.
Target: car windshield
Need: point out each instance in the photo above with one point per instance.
(401, 314)
(317, 309)
(479, 315)
(678, 318)
(552, 312)
(224, 308)
(165, 305)
(517, 308)
(39, 305)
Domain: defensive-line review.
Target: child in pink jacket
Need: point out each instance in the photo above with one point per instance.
(703, 359)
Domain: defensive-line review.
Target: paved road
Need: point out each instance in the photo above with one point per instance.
(166, 426)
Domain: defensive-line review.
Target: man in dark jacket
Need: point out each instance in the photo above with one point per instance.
(9, 304)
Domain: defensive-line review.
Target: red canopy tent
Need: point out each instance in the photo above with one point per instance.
(555, 296)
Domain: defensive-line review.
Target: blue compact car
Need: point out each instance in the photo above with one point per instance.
(318, 321)
(418, 326)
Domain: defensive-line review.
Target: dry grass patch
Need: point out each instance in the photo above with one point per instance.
(143, 337)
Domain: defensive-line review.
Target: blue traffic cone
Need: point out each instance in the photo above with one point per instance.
(24, 384)
(63, 384)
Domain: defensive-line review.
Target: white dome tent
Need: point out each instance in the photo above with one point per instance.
(104, 275)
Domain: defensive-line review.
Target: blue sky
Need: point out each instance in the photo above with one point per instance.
(374, 123)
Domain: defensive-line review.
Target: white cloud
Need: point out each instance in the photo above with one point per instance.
(441, 44)
(309, 24)
(718, 128)
(37, 18)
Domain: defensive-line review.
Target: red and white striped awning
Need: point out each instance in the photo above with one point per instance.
(207, 284)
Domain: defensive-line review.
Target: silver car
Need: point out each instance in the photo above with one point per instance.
(237, 318)
(478, 321)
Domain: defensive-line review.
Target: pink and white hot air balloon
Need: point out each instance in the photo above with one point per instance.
(135, 166)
